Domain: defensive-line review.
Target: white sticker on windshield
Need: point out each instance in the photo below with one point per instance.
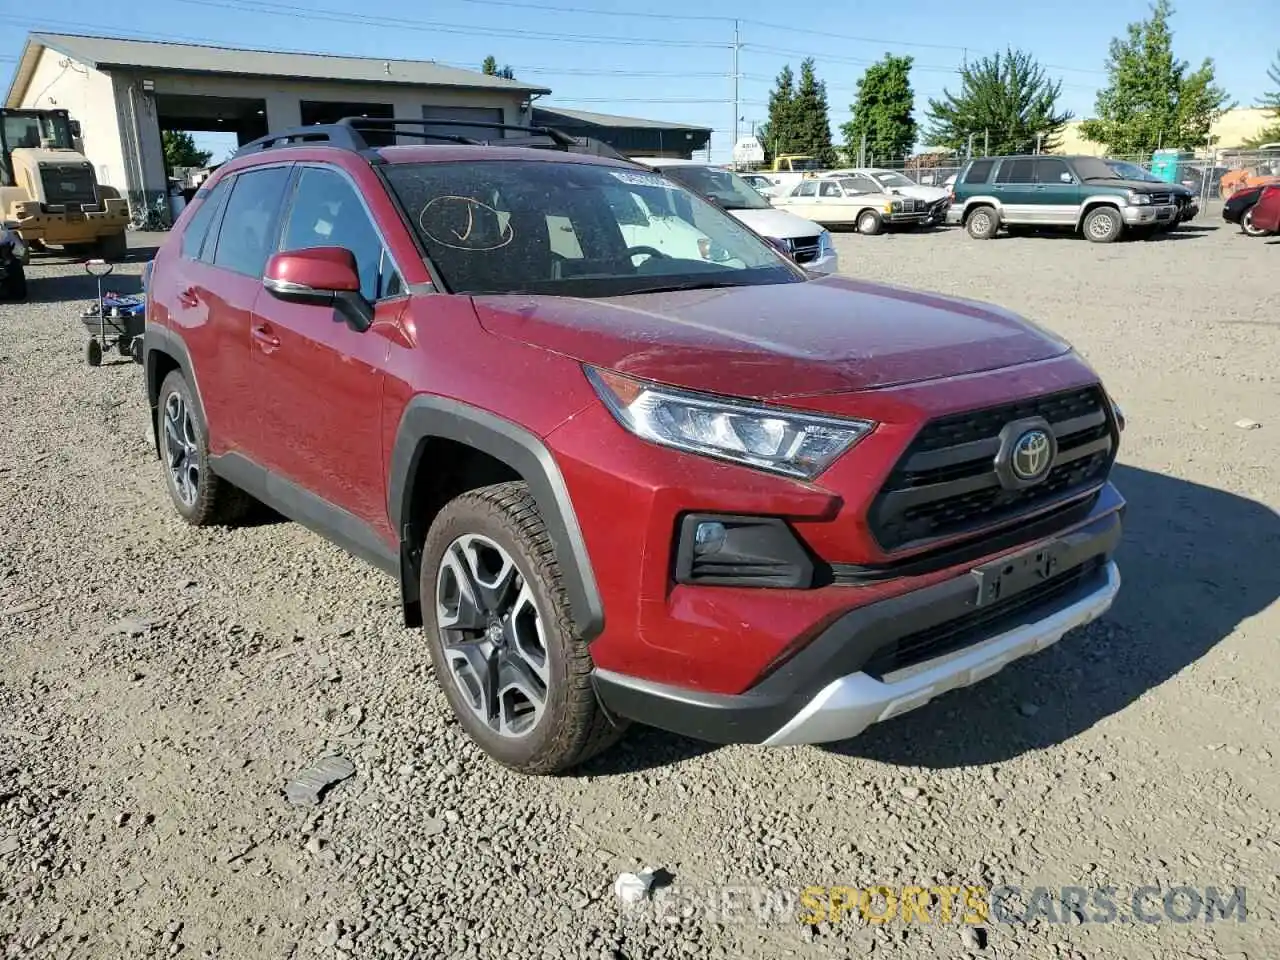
(640, 179)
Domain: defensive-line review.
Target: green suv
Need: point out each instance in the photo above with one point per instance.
(1083, 194)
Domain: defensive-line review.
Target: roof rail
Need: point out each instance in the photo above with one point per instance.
(346, 135)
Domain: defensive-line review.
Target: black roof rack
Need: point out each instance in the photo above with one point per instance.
(346, 135)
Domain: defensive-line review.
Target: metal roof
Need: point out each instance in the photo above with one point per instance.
(548, 114)
(107, 53)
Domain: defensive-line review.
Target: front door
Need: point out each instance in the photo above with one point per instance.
(322, 428)
(1057, 191)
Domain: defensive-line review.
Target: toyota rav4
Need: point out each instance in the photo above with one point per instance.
(703, 490)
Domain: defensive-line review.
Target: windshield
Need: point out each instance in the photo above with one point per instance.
(806, 163)
(723, 187)
(1132, 171)
(1091, 168)
(575, 229)
(892, 179)
(33, 130)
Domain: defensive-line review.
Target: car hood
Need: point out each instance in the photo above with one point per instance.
(777, 223)
(827, 335)
(922, 192)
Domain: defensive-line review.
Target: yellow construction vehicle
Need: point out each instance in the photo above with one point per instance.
(48, 191)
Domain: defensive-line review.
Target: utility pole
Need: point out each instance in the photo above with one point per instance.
(971, 136)
(862, 151)
(736, 114)
(1039, 138)
(986, 143)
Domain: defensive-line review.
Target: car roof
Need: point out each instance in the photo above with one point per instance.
(423, 153)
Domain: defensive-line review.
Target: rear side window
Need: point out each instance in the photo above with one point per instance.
(1017, 171)
(198, 226)
(249, 227)
(979, 171)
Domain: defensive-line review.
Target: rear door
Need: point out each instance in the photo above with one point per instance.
(247, 232)
(322, 429)
(1015, 187)
(804, 201)
(1057, 192)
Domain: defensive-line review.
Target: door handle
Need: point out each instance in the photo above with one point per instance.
(188, 297)
(266, 339)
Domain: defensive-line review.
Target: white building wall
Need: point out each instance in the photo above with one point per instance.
(59, 82)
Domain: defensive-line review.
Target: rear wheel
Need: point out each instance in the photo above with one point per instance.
(869, 223)
(114, 246)
(982, 223)
(200, 496)
(501, 637)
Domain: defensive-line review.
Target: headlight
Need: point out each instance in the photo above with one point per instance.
(781, 441)
(1140, 199)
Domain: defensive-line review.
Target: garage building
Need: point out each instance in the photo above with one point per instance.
(124, 92)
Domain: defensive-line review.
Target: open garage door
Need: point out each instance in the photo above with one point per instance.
(245, 118)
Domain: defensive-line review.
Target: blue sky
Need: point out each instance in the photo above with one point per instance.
(672, 60)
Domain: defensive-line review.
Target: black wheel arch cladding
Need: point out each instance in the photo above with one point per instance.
(429, 417)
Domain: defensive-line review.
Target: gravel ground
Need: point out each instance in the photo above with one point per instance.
(159, 686)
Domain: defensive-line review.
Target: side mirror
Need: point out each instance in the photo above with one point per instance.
(1066, 178)
(75, 127)
(322, 277)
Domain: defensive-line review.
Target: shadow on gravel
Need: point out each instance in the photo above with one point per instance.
(1195, 562)
(78, 291)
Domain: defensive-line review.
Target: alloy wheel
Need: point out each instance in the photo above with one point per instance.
(1101, 226)
(181, 449)
(492, 635)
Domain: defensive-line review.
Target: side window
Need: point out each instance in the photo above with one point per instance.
(809, 188)
(249, 225)
(1017, 171)
(327, 212)
(197, 227)
(390, 283)
(1051, 171)
(864, 184)
(830, 189)
(979, 171)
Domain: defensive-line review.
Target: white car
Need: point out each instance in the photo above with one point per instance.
(760, 184)
(853, 201)
(807, 243)
(894, 183)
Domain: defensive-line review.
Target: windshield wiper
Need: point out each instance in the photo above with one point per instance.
(687, 285)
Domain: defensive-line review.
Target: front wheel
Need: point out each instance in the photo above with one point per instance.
(869, 223)
(1246, 224)
(1103, 225)
(501, 637)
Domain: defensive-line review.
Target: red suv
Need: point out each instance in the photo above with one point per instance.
(626, 460)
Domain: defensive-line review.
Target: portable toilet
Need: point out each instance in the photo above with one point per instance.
(1164, 164)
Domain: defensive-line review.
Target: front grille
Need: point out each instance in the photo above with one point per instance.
(1159, 198)
(946, 483)
(979, 625)
(68, 183)
(804, 249)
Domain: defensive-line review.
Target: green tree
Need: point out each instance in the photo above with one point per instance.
(1006, 103)
(1152, 99)
(1271, 103)
(883, 111)
(811, 116)
(180, 150)
(776, 134)
(490, 68)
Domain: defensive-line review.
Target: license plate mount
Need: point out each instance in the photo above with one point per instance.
(1004, 578)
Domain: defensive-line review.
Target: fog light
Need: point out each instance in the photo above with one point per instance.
(708, 537)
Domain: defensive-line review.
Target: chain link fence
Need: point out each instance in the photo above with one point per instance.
(1215, 175)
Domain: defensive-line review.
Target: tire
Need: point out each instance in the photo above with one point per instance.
(869, 223)
(1103, 225)
(135, 350)
(13, 288)
(201, 497)
(93, 352)
(499, 528)
(114, 246)
(982, 222)
(1246, 224)
(124, 347)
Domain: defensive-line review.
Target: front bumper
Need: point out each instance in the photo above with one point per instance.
(887, 658)
(827, 263)
(83, 226)
(1189, 212)
(902, 219)
(1136, 216)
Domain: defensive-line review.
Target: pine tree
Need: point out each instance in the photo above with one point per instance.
(490, 68)
(180, 150)
(883, 112)
(1007, 103)
(776, 134)
(1271, 103)
(812, 119)
(1151, 100)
